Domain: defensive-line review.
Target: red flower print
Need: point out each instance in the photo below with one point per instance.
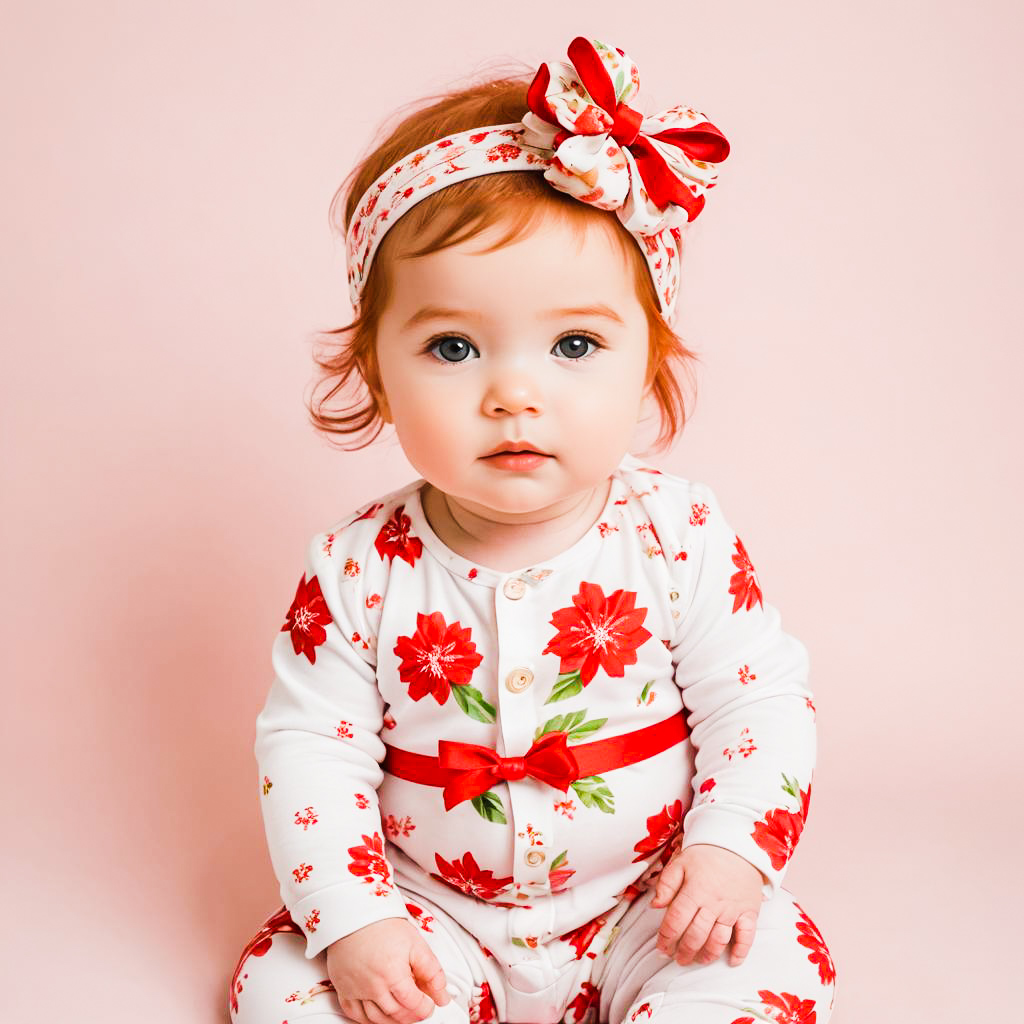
(306, 818)
(394, 540)
(423, 919)
(399, 826)
(370, 512)
(598, 632)
(743, 584)
(662, 828)
(301, 873)
(307, 617)
(707, 785)
(786, 1008)
(644, 1007)
(813, 940)
(699, 514)
(482, 1009)
(779, 832)
(362, 802)
(312, 920)
(368, 861)
(466, 876)
(259, 945)
(436, 657)
(587, 1000)
(560, 872)
(581, 938)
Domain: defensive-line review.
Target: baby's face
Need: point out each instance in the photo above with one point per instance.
(504, 362)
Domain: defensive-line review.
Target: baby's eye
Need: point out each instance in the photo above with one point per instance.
(450, 348)
(575, 346)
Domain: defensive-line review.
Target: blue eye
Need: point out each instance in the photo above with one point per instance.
(576, 351)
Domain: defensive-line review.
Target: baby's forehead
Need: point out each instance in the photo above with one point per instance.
(549, 263)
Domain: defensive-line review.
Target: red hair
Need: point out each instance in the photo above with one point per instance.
(518, 200)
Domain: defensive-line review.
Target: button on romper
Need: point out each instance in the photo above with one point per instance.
(507, 759)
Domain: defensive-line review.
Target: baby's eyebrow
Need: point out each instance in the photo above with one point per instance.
(445, 312)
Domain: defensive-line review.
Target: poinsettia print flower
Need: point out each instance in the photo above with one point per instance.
(394, 540)
(368, 860)
(813, 940)
(743, 584)
(662, 828)
(779, 831)
(436, 657)
(307, 617)
(467, 876)
(598, 632)
(783, 1008)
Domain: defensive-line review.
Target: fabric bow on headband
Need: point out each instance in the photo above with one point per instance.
(652, 171)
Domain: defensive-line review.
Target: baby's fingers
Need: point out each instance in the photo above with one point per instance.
(669, 880)
(414, 1005)
(744, 931)
(677, 918)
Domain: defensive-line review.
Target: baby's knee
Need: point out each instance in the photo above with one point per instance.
(274, 981)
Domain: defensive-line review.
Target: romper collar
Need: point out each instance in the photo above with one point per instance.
(533, 574)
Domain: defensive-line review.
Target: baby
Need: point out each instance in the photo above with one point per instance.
(536, 749)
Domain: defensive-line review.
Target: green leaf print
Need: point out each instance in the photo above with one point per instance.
(594, 793)
(586, 728)
(560, 723)
(646, 690)
(572, 724)
(471, 700)
(566, 685)
(620, 82)
(790, 786)
(488, 805)
(516, 941)
(558, 861)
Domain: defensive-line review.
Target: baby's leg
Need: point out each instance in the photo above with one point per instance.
(788, 974)
(274, 981)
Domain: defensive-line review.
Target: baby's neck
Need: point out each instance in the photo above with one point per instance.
(504, 546)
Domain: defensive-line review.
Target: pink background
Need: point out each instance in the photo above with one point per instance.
(166, 260)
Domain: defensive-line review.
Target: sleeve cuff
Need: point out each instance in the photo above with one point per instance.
(333, 913)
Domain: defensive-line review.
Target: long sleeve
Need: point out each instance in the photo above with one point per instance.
(319, 750)
(744, 684)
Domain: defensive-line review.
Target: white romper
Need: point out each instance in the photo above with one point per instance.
(527, 877)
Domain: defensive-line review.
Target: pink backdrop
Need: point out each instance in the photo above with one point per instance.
(166, 260)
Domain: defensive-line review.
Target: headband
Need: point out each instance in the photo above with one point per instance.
(652, 171)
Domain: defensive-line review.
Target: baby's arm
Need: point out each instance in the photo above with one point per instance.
(319, 749)
(744, 683)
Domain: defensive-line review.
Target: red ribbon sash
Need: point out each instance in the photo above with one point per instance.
(465, 770)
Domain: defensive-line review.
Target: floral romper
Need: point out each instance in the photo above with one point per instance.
(507, 759)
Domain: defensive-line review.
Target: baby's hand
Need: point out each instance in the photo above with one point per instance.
(385, 972)
(714, 891)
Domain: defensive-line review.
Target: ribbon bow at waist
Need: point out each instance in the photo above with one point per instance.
(465, 770)
(475, 769)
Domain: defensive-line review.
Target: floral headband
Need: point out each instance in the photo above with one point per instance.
(652, 171)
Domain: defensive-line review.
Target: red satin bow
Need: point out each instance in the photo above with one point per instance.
(699, 142)
(474, 769)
